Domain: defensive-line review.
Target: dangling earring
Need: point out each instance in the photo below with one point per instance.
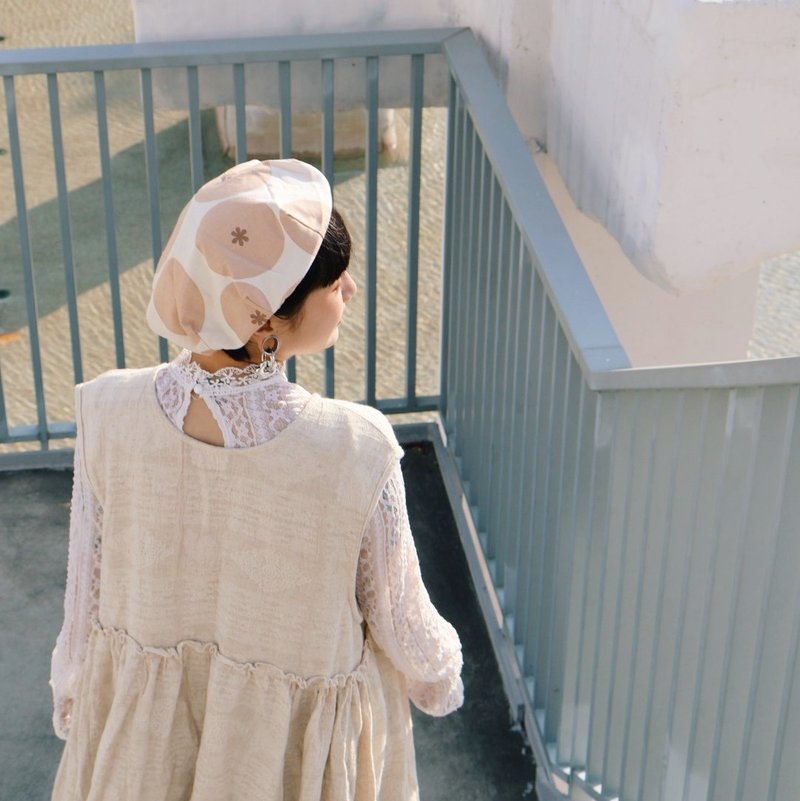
(269, 347)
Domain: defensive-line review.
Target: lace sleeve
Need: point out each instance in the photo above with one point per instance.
(81, 597)
(403, 621)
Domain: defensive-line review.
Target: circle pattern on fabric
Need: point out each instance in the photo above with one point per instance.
(240, 239)
(301, 233)
(242, 178)
(178, 300)
(245, 308)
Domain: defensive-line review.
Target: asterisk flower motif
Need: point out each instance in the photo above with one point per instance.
(239, 236)
(258, 318)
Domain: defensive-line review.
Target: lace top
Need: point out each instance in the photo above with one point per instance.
(250, 409)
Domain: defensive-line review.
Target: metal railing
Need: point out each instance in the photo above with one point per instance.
(632, 533)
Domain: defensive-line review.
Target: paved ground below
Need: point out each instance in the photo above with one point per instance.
(471, 755)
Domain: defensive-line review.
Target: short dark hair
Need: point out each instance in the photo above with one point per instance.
(330, 262)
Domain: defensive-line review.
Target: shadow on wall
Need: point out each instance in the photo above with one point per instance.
(87, 219)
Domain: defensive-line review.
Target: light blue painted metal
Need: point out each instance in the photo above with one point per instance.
(3, 417)
(371, 222)
(195, 134)
(239, 111)
(640, 524)
(66, 226)
(25, 256)
(151, 166)
(412, 237)
(108, 209)
(285, 89)
(327, 169)
(447, 258)
(223, 51)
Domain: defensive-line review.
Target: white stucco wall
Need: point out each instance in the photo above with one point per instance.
(677, 126)
(514, 33)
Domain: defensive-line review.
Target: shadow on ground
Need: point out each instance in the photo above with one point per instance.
(471, 755)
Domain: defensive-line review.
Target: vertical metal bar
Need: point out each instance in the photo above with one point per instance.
(3, 417)
(551, 642)
(414, 155)
(594, 704)
(602, 429)
(66, 227)
(457, 278)
(618, 596)
(747, 494)
(239, 110)
(110, 225)
(499, 400)
(151, 165)
(708, 595)
(474, 310)
(758, 656)
(540, 493)
(549, 524)
(567, 732)
(517, 488)
(463, 332)
(511, 411)
(662, 577)
(533, 443)
(371, 238)
(327, 169)
(447, 256)
(647, 527)
(285, 88)
(786, 704)
(488, 390)
(684, 593)
(195, 133)
(25, 256)
(285, 91)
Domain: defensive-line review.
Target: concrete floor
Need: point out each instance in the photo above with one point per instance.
(472, 754)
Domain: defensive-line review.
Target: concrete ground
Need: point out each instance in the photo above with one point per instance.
(471, 755)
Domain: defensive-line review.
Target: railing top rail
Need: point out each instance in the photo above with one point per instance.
(223, 51)
(579, 309)
(718, 375)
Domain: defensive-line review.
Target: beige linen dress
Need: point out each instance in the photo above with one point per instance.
(229, 659)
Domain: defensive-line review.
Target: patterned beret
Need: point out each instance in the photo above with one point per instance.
(240, 247)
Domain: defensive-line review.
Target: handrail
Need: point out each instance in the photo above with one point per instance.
(223, 51)
(577, 304)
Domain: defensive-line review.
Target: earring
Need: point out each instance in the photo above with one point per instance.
(269, 347)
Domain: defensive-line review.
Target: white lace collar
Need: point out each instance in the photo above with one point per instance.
(227, 381)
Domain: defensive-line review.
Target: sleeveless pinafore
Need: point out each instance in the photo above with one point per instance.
(229, 659)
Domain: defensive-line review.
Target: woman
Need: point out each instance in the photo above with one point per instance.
(244, 615)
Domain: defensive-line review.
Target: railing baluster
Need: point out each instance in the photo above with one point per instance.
(285, 92)
(447, 256)
(371, 237)
(593, 773)
(239, 113)
(464, 270)
(151, 166)
(4, 433)
(412, 242)
(327, 169)
(195, 133)
(108, 205)
(483, 326)
(26, 258)
(667, 540)
(787, 425)
(66, 227)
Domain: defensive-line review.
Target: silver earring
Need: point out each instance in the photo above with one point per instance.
(269, 347)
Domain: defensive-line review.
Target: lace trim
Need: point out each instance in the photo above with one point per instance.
(224, 382)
